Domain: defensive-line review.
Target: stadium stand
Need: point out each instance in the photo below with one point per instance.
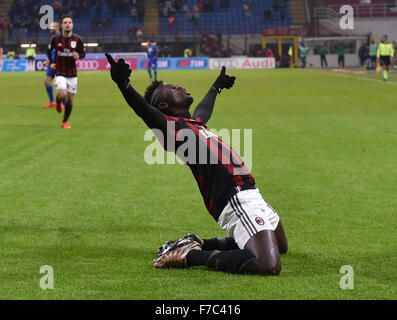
(367, 9)
(185, 17)
(90, 16)
(226, 17)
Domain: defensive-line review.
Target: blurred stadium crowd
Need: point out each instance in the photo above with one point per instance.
(22, 16)
(174, 16)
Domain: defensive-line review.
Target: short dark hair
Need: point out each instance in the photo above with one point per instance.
(150, 90)
(66, 15)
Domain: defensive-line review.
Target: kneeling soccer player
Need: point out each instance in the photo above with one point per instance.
(256, 234)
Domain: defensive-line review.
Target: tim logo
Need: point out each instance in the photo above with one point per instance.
(347, 21)
(187, 63)
(161, 64)
(259, 221)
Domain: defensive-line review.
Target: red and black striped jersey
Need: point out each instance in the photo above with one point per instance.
(64, 47)
(218, 169)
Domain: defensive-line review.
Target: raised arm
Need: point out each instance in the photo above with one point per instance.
(152, 116)
(206, 106)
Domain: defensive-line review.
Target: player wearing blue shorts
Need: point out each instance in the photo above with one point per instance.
(50, 74)
(153, 53)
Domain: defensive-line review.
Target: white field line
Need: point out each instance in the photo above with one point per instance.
(327, 73)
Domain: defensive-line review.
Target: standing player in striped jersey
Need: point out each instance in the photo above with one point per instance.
(50, 74)
(68, 48)
(256, 235)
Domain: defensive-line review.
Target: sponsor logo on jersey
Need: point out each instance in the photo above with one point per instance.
(207, 134)
(66, 53)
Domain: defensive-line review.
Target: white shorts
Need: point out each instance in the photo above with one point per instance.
(245, 215)
(63, 83)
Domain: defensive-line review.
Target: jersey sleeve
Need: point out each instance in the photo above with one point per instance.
(80, 48)
(51, 46)
(206, 106)
(152, 116)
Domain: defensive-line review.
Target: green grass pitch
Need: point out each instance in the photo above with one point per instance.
(85, 202)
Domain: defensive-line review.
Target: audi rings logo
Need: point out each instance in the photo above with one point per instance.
(87, 64)
(228, 63)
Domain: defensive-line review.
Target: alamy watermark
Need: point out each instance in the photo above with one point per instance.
(47, 281)
(347, 280)
(205, 147)
(48, 16)
(347, 21)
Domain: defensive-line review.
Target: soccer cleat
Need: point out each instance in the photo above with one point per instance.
(59, 106)
(50, 105)
(176, 257)
(171, 245)
(196, 238)
(66, 125)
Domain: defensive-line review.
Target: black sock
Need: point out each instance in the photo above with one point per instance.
(68, 111)
(220, 244)
(232, 261)
(197, 257)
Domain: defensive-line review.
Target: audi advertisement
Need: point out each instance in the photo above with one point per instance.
(96, 64)
(102, 64)
(242, 63)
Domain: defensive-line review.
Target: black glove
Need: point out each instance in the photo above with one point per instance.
(120, 71)
(223, 81)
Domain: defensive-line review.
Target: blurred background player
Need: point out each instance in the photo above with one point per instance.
(31, 57)
(11, 55)
(340, 51)
(290, 55)
(363, 54)
(372, 55)
(323, 50)
(54, 30)
(385, 54)
(303, 52)
(69, 47)
(153, 53)
(1, 57)
(187, 53)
